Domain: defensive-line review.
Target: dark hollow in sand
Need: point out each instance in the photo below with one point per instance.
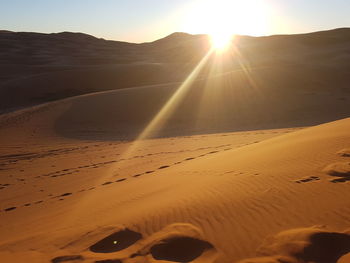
(179, 249)
(116, 242)
(326, 248)
(67, 258)
(108, 261)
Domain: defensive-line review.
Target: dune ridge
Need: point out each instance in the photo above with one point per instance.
(48, 67)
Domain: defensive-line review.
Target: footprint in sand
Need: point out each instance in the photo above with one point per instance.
(307, 179)
(107, 183)
(61, 195)
(116, 241)
(179, 249)
(10, 209)
(186, 246)
(108, 261)
(340, 170)
(120, 180)
(65, 194)
(344, 152)
(162, 245)
(314, 245)
(70, 258)
(3, 186)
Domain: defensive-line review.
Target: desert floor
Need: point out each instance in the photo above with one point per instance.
(278, 195)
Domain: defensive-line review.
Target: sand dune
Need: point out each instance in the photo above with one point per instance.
(220, 104)
(47, 67)
(220, 197)
(214, 105)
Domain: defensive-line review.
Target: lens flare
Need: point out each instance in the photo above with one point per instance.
(222, 19)
(221, 41)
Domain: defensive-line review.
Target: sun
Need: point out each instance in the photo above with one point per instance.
(223, 19)
(221, 41)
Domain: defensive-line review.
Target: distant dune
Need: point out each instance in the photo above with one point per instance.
(47, 67)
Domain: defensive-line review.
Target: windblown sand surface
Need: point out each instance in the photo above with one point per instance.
(278, 195)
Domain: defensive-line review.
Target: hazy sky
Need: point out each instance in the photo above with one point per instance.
(147, 20)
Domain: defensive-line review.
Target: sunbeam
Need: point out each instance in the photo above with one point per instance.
(160, 118)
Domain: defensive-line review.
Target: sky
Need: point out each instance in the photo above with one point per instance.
(148, 20)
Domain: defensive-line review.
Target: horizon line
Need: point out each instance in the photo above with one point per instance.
(177, 32)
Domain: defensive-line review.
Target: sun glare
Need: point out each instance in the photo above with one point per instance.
(221, 40)
(222, 19)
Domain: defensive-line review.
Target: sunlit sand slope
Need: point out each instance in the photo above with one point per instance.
(205, 198)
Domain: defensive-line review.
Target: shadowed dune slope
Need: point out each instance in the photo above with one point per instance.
(47, 67)
(226, 103)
